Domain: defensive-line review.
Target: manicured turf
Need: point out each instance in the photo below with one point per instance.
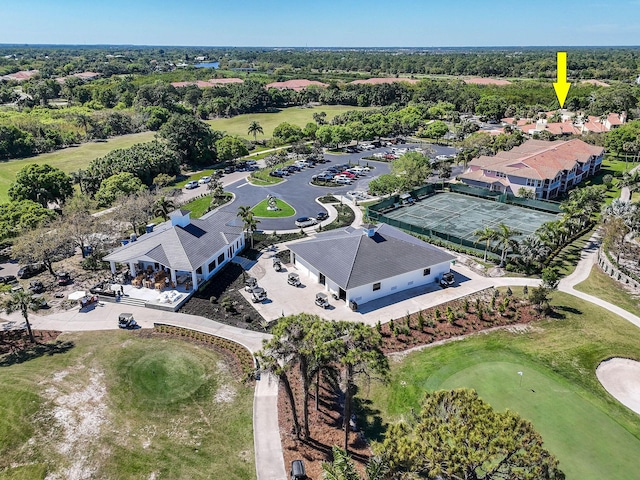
(601, 285)
(285, 210)
(128, 407)
(68, 159)
(268, 121)
(592, 435)
(566, 260)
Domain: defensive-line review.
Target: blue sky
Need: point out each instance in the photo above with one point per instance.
(330, 23)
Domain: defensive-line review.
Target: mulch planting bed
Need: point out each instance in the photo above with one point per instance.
(12, 341)
(223, 291)
(474, 313)
(484, 310)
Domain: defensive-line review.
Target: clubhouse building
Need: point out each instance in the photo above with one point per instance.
(545, 168)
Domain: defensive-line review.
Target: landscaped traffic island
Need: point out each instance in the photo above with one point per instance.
(283, 209)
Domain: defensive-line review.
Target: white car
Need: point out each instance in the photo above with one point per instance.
(305, 222)
(191, 185)
(205, 179)
(343, 180)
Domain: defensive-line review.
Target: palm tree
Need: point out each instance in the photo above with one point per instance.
(533, 251)
(162, 207)
(504, 236)
(254, 129)
(249, 221)
(487, 235)
(22, 301)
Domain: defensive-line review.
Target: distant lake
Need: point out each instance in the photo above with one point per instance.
(207, 65)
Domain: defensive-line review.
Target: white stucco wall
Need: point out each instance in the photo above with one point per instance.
(388, 286)
(396, 284)
(205, 267)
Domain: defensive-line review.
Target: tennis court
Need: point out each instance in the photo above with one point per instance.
(459, 215)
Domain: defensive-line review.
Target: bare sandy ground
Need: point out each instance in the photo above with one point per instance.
(621, 378)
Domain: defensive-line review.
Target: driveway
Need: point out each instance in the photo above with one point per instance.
(284, 299)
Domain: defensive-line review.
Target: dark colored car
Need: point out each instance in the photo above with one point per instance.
(63, 278)
(322, 216)
(36, 286)
(292, 169)
(8, 279)
(229, 169)
(276, 173)
(29, 271)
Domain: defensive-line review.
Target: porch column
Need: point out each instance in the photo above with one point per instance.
(132, 269)
(173, 275)
(194, 279)
(113, 266)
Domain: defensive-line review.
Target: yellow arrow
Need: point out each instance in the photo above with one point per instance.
(562, 86)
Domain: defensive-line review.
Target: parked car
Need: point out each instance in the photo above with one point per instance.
(191, 185)
(29, 271)
(292, 169)
(305, 222)
(251, 163)
(276, 173)
(348, 174)
(324, 177)
(63, 278)
(447, 280)
(229, 169)
(322, 216)
(205, 179)
(36, 286)
(8, 279)
(343, 180)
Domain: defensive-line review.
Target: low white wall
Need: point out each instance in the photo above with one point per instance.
(396, 284)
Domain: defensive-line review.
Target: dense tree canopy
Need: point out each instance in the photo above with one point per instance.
(41, 184)
(191, 139)
(118, 185)
(456, 435)
(230, 148)
(19, 217)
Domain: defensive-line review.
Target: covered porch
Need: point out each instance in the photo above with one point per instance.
(156, 276)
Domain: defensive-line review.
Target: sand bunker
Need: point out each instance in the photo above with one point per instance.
(621, 378)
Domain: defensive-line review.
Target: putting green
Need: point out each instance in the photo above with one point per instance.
(586, 441)
(163, 377)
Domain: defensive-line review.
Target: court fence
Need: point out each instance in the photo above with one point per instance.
(378, 211)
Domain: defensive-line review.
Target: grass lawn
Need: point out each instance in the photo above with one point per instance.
(68, 159)
(592, 435)
(566, 260)
(285, 210)
(611, 167)
(601, 285)
(118, 405)
(268, 121)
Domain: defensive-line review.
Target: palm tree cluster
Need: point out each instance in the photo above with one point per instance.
(308, 346)
(532, 251)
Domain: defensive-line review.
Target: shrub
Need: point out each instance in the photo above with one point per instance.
(437, 314)
(379, 327)
(213, 299)
(420, 320)
(465, 305)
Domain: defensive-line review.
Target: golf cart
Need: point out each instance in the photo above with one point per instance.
(250, 283)
(258, 294)
(277, 264)
(447, 280)
(36, 286)
(126, 320)
(322, 300)
(293, 279)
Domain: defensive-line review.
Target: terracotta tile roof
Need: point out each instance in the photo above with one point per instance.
(378, 81)
(487, 81)
(616, 118)
(224, 81)
(597, 83)
(538, 159)
(21, 75)
(296, 85)
(214, 82)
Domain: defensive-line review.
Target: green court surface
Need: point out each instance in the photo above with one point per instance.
(460, 215)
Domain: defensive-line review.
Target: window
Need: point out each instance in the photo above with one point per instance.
(376, 286)
(212, 266)
(221, 258)
(426, 271)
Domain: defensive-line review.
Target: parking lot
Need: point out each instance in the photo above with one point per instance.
(298, 192)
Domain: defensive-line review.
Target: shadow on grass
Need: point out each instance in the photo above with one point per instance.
(369, 419)
(31, 352)
(572, 310)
